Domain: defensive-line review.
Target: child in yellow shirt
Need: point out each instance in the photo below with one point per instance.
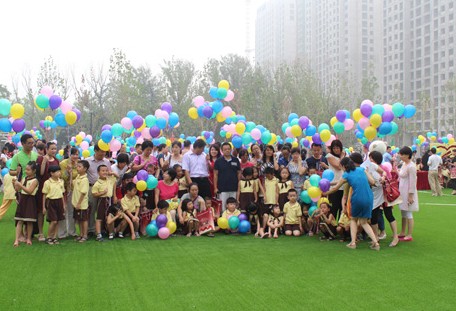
(130, 205)
(80, 199)
(292, 213)
(9, 195)
(231, 210)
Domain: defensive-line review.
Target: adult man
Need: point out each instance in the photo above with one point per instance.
(316, 160)
(387, 158)
(194, 164)
(226, 174)
(434, 162)
(424, 160)
(23, 157)
(95, 161)
(285, 158)
(186, 148)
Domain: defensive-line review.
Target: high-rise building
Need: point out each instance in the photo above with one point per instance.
(275, 33)
(418, 58)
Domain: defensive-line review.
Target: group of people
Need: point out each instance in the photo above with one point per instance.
(99, 196)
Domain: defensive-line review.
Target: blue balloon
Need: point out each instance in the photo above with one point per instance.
(182, 136)
(311, 130)
(328, 174)
(173, 119)
(161, 123)
(217, 106)
(409, 111)
(237, 141)
(359, 134)
(5, 125)
(60, 119)
(5, 171)
(16, 138)
(244, 226)
(53, 125)
(106, 136)
(261, 128)
(385, 128)
(131, 141)
(131, 114)
(200, 111)
(156, 141)
(292, 116)
(213, 92)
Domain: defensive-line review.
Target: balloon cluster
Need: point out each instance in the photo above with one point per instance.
(82, 142)
(16, 138)
(433, 137)
(144, 181)
(161, 227)
(15, 122)
(214, 109)
(240, 222)
(244, 133)
(318, 185)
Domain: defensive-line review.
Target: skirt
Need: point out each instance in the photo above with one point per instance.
(283, 198)
(245, 198)
(102, 208)
(54, 210)
(26, 208)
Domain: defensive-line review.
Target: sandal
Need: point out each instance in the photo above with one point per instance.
(82, 240)
(351, 245)
(56, 241)
(41, 238)
(29, 242)
(407, 239)
(392, 244)
(78, 238)
(375, 246)
(16, 244)
(49, 241)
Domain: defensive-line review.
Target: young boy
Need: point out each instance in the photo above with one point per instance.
(162, 206)
(292, 213)
(103, 189)
(231, 210)
(306, 185)
(254, 219)
(121, 167)
(130, 205)
(80, 199)
(118, 221)
(53, 202)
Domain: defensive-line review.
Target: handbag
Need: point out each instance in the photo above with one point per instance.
(391, 189)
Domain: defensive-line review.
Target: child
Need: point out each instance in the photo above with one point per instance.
(231, 210)
(116, 221)
(327, 221)
(254, 219)
(271, 194)
(275, 222)
(284, 185)
(306, 185)
(80, 199)
(103, 190)
(9, 194)
(130, 205)
(247, 193)
(292, 213)
(53, 202)
(208, 202)
(181, 180)
(312, 222)
(27, 211)
(162, 207)
(343, 227)
(191, 224)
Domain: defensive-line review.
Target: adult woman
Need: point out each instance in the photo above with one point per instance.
(452, 182)
(198, 202)
(244, 159)
(361, 200)
(44, 162)
(297, 167)
(409, 193)
(334, 156)
(163, 157)
(142, 161)
(214, 154)
(167, 190)
(269, 160)
(176, 156)
(69, 173)
(256, 157)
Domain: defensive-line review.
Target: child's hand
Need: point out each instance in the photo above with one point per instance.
(104, 191)
(78, 206)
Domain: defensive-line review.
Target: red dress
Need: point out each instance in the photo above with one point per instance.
(211, 176)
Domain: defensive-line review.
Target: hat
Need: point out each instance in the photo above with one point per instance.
(323, 200)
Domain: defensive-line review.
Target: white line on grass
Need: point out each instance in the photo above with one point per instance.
(439, 204)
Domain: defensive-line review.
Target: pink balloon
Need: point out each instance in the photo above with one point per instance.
(158, 113)
(348, 123)
(82, 134)
(368, 102)
(450, 136)
(364, 122)
(387, 107)
(387, 168)
(146, 133)
(115, 145)
(328, 143)
(140, 140)
(89, 137)
(316, 199)
(229, 96)
(226, 111)
(126, 123)
(165, 115)
(232, 128)
(84, 145)
(256, 134)
(288, 132)
(135, 179)
(198, 101)
(65, 107)
(163, 233)
(47, 90)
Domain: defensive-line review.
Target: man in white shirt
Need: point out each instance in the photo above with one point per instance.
(194, 163)
(434, 163)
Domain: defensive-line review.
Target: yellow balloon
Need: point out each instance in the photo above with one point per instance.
(325, 135)
(168, 143)
(103, 146)
(333, 121)
(357, 115)
(314, 192)
(142, 127)
(224, 85)
(451, 140)
(375, 120)
(240, 128)
(17, 111)
(433, 138)
(228, 135)
(61, 152)
(78, 139)
(193, 113)
(219, 117)
(86, 153)
(141, 185)
(222, 223)
(294, 144)
(233, 114)
(273, 139)
(370, 132)
(71, 117)
(171, 225)
(48, 118)
(296, 130)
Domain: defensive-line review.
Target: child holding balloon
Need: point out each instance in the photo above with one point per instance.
(231, 210)
(327, 221)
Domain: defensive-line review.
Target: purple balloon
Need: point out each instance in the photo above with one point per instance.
(42, 124)
(18, 125)
(137, 121)
(154, 131)
(78, 114)
(316, 139)
(207, 112)
(366, 110)
(106, 127)
(34, 128)
(303, 122)
(167, 107)
(207, 135)
(55, 102)
(387, 116)
(341, 116)
(438, 140)
(306, 143)
(161, 221)
(243, 217)
(324, 185)
(142, 175)
(137, 134)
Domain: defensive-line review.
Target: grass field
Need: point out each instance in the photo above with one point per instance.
(236, 272)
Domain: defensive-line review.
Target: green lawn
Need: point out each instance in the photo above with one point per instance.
(236, 272)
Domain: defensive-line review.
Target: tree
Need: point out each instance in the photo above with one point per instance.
(4, 93)
(51, 76)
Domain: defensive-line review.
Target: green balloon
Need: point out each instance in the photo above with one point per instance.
(294, 122)
(117, 129)
(246, 139)
(378, 109)
(339, 127)
(322, 127)
(5, 106)
(221, 93)
(395, 128)
(249, 126)
(266, 137)
(398, 110)
(150, 120)
(42, 101)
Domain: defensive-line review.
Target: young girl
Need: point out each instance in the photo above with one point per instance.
(117, 222)
(181, 180)
(271, 195)
(191, 224)
(247, 193)
(284, 185)
(327, 221)
(53, 203)
(9, 194)
(275, 222)
(27, 211)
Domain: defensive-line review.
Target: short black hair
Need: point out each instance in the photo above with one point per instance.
(243, 152)
(162, 204)
(231, 200)
(187, 143)
(172, 173)
(286, 148)
(315, 145)
(138, 145)
(147, 144)
(176, 166)
(84, 164)
(127, 176)
(269, 170)
(356, 158)
(53, 169)
(74, 150)
(130, 186)
(184, 204)
(24, 138)
(433, 150)
(100, 167)
(49, 144)
(292, 190)
(252, 208)
(123, 158)
(199, 143)
(176, 143)
(161, 147)
(248, 171)
(376, 156)
(406, 151)
(226, 144)
(294, 150)
(96, 148)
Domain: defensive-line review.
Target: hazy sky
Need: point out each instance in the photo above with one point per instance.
(82, 33)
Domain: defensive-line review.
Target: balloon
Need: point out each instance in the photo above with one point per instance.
(17, 110)
(312, 210)
(378, 109)
(5, 125)
(364, 123)
(198, 101)
(131, 114)
(226, 111)
(141, 185)
(126, 122)
(152, 182)
(314, 180)
(223, 84)
(237, 141)
(394, 128)
(409, 111)
(348, 124)
(193, 113)
(213, 92)
(55, 102)
(398, 110)
(325, 135)
(167, 107)
(386, 166)
(207, 111)
(71, 117)
(388, 116)
(366, 110)
(233, 222)
(117, 129)
(114, 145)
(385, 128)
(222, 223)
(314, 192)
(221, 93)
(171, 225)
(65, 107)
(103, 146)
(5, 171)
(240, 128)
(161, 220)
(266, 137)
(339, 127)
(151, 230)
(229, 96)
(5, 107)
(137, 121)
(18, 125)
(42, 101)
(106, 136)
(322, 127)
(296, 130)
(357, 115)
(161, 123)
(243, 217)
(375, 120)
(367, 102)
(256, 134)
(316, 139)
(305, 197)
(370, 132)
(244, 226)
(324, 185)
(163, 233)
(142, 175)
(341, 116)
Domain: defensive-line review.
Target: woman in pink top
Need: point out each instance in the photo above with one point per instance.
(141, 162)
(167, 189)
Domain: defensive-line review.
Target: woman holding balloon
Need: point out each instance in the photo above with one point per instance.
(141, 162)
(334, 157)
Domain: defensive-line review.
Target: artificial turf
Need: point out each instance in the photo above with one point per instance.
(236, 272)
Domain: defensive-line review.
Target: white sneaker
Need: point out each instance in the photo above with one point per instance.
(120, 235)
(111, 236)
(382, 236)
(137, 235)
